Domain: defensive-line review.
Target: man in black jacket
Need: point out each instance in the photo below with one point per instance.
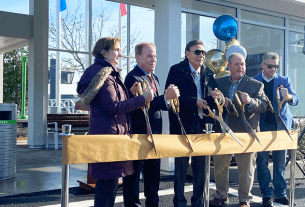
(146, 62)
(195, 82)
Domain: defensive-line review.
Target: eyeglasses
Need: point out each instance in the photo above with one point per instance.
(198, 52)
(271, 66)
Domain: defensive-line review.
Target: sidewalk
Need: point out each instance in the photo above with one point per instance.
(39, 170)
(38, 183)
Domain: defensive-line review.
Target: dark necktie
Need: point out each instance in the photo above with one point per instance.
(152, 82)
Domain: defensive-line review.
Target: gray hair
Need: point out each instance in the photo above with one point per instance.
(235, 55)
(271, 56)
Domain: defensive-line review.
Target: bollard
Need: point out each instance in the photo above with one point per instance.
(66, 129)
(292, 177)
(65, 185)
(207, 180)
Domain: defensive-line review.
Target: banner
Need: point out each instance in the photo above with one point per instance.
(109, 148)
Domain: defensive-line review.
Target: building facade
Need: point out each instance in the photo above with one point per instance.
(263, 26)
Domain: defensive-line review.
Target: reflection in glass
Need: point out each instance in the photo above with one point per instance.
(262, 18)
(258, 40)
(296, 24)
(296, 70)
(197, 27)
(209, 7)
(70, 74)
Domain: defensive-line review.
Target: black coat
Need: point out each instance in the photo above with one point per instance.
(138, 122)
(180, 75)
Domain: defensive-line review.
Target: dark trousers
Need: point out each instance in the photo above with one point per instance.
(105, 192)
(197, 164)
(151, 173)
(181, 165)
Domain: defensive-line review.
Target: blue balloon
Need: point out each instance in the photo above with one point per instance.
(225, 27)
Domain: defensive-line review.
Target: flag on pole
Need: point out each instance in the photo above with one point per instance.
(123, 9)
(63, 5)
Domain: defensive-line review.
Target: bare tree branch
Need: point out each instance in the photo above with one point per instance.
(73, 33)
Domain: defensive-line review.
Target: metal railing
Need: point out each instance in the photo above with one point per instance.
(67, 106)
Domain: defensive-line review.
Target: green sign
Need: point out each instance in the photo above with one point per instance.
(8, 121)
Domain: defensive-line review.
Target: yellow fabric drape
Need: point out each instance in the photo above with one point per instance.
(109, 148)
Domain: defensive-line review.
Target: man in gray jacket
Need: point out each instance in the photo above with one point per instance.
(253, 95)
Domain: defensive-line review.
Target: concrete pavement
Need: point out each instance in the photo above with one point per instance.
(38, 183)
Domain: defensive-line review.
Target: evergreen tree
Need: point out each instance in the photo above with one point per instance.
(12, 78)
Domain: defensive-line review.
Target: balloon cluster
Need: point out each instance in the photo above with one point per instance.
(224, 28)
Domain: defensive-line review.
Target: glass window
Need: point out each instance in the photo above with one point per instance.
(72, 26)
(124, 63)
(258, 40)
(262, 18)
(197, 27)
(15, 6)
(296, 24)
(52, 24)
(71, 71)
(142, 28)
(105, 20)
(209, 7)
(296, 70)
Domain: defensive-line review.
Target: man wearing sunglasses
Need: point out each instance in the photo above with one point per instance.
(195, 82)
(269, 122)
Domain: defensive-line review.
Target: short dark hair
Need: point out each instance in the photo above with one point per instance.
(139, 47)
(104, 43)
(192, 43)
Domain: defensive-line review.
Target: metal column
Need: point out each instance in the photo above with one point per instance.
(206, 194)
(292, 177)
(65, 185)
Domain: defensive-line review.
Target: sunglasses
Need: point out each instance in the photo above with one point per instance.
(198, 52)
(272, 66)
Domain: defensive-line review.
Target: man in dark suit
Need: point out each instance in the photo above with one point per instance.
(256, 102)
(269, 122)
(195, 82)
(146, 62)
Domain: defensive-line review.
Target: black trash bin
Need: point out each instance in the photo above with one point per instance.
(8, 136)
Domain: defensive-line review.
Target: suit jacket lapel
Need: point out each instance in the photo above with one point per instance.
(260, 77)
(186, 71)
(276, 85)
(145, 77)
(243, 84)
(225, 85)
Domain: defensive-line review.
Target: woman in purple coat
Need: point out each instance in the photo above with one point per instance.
(102, 91)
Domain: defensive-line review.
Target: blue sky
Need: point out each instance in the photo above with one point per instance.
(145, 26)
(142, 19)
(16, 6)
